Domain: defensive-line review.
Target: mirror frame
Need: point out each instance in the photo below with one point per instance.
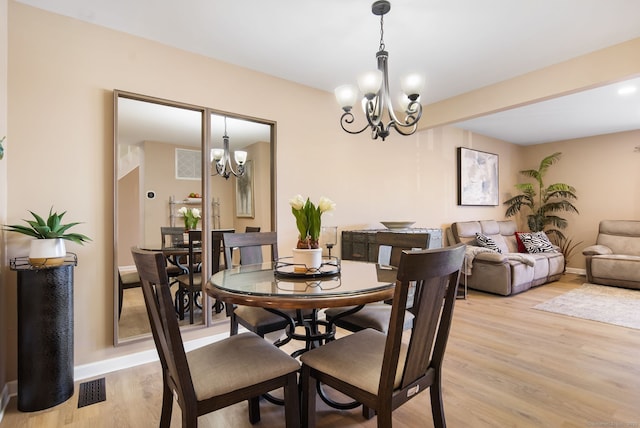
(206, 145)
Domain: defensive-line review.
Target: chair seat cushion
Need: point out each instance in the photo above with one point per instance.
(374, 315)
(260, 317)
(355, 359)
(197, 281)
(236, 362)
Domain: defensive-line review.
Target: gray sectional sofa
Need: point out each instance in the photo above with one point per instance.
(506, 273)
(615, 259)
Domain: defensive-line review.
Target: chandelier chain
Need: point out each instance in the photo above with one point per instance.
(382, 46)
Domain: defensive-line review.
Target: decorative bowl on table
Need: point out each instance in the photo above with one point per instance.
(395, 225)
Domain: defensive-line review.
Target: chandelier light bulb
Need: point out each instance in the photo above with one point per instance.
(240, 156)
(347, 96)
(412, 85)
(217, 154)
(370, 83)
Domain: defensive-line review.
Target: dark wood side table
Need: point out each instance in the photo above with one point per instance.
(45, 333)
(362, 245)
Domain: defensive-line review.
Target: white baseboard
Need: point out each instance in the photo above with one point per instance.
(576, 271)
(4, 399)
(99, 368)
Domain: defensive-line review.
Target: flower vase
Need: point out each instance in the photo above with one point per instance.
(190, 223)
(311, 258)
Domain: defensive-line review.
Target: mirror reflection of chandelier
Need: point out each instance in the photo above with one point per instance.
(374, 85)
(223, 159)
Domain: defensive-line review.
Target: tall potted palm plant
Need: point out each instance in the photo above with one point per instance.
(544, 202)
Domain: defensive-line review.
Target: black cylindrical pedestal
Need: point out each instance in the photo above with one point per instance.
(45, 337)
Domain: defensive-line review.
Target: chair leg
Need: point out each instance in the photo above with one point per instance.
(367, 412)
(254, 410)
(292, 402)
(233, 324)
(308, 404)
(167, 405)
(437, 406)
(384, 418)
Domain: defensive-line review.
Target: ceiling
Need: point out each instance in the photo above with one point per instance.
(140, 121)
(460, 45)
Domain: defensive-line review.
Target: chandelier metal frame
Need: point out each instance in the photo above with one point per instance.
(222, 158)
(378, 104)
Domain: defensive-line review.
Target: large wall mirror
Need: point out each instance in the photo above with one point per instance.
(163, 152)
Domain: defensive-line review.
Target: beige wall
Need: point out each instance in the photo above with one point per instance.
(62, 73)
(605, 170)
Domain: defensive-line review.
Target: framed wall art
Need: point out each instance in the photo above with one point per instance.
(244, 192)
(477, 177)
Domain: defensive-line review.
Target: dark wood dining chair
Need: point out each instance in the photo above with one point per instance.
(217, 250)
(217, 375)
(173, 237)
(250, 245)
(376, 315)
(190, 283)
(126, 280)
(381, 371)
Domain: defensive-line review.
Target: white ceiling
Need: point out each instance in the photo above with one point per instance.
(460, 45)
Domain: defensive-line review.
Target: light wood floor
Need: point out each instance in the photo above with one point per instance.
(507, 365)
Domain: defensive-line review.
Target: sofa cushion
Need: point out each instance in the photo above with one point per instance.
(622, 236)
(487, 242)
(537, 242)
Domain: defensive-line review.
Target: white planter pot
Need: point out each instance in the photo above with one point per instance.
(311, 258)
(47, 252)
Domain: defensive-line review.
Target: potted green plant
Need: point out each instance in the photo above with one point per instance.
(308, 222)
(48, 249)
(544, 202)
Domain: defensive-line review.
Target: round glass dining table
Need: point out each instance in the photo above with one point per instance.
(347, 283)
(276, 288)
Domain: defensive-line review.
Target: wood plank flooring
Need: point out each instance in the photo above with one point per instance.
(507, 365)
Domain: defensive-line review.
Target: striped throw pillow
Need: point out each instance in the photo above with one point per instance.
(487, 242)
(537, 242)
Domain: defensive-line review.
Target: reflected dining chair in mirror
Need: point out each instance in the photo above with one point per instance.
(377, 315)
(217, 375)
(189, 290)
(383, 371)
(217, 249)
(257, 320)
(173, 237)
(190, 284)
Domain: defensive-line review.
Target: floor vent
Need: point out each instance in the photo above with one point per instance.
(91, 392)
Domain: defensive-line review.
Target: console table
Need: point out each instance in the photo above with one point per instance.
(362, 245)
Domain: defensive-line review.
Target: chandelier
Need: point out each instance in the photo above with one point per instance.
(374, 85)
(223, 159)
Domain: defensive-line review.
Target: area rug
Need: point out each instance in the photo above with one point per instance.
(610, 305)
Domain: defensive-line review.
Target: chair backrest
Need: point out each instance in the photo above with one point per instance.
(172, 236)
(398, 242)
(151, 267)
(195, 240)
(250, 245)
(436, 272)
(217, 248)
